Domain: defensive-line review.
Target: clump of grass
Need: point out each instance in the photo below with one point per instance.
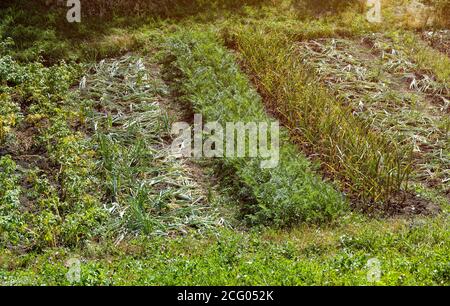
(369, 166)
(212, 82)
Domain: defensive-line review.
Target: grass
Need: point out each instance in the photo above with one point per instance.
(409, 254)
(163, 8)
(440, 7)
(308, 8)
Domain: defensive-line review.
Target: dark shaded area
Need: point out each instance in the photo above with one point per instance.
(308, 8)
(154, 8)
(39, 29)
(159, 8)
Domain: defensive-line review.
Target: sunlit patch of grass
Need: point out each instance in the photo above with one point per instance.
(410, 253)
(314, 8)
(115, 43)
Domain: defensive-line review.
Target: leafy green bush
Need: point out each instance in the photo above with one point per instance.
(10, 115)
(11, 72)
(13, 229)
(212, 82)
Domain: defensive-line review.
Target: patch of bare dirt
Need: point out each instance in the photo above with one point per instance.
(403, 204)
